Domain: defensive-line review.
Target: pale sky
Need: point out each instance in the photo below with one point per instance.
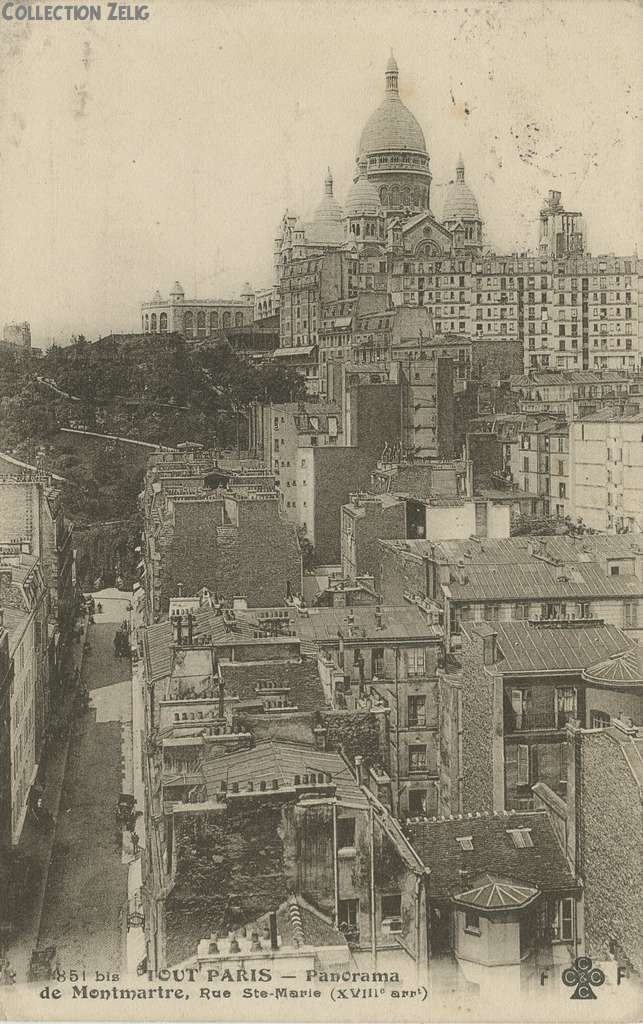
(132, 154)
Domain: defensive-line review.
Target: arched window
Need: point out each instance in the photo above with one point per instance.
(227, 319)
(395, 196)
(214, 320)
(153, 323)
(200, 324)
(147, 323)
(384, 195)
(163, 323)
(406, 197)
(238, 319)
(188, 324)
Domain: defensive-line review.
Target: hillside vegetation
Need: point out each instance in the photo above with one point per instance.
(155, 389)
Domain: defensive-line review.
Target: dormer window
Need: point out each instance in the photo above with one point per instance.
(521, 837)
(465, 842)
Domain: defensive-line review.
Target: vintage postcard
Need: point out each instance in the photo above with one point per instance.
(321, 511)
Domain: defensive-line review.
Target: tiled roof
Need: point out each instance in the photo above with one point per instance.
(306, 691)
(540, 580)
(541, 865)
(304, 925)
(208, 622)
(530, 647)
(281, 761)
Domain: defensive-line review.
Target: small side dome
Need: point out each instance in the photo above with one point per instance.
(177, 289)
(326, 225)
(460, 202)
(363, 199)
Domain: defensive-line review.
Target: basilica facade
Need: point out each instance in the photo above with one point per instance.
(388, 205)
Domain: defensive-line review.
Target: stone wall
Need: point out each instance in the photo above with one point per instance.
(478, 728)
(256, 559)
(610, 847)
(400, 573)
(387, 523)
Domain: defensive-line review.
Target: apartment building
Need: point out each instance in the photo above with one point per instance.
(521, 684)
(518, 578)
(24, 600)
(606, 455)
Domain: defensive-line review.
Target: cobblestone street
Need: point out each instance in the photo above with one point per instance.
(83, 913)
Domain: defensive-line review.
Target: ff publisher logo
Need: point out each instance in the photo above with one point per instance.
(583, 978)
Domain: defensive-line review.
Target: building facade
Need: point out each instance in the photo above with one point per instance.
(606, 486)
(195, 318)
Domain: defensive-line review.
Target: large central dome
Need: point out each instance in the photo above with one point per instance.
(394, 148)
(392, 127)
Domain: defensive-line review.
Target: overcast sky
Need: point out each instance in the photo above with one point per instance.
(132, 154)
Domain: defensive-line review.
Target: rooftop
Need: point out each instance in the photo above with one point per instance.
(621, 669)
(493, 851)
(397, 623)
(281, 761)
(300, 679)
(547, 378)
(530, 647)
(540, 581)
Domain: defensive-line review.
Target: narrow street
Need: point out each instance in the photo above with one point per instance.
(86, 895)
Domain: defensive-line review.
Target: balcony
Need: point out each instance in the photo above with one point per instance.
(534, 721)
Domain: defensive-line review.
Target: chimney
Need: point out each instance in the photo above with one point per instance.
(379, 622)
(177, 628)
(319, 733)
(221, 696)
(274, 944)
(359, 760)
(179, 588)
(190, 618)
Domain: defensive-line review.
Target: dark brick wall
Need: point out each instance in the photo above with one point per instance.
(478, 728)
(256, 559)
(389, 523)
(337, 472)
(445, 409)
(494, 359)
(375, 420)
(485, 452)
(611, 842)
(400, 572)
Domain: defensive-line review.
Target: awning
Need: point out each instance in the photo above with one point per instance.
(301, 350)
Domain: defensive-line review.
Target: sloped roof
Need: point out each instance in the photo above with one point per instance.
(491, 893)
(281, 761)
(621, 669)
(244, 679)
(407, 622)
(540, 580)
(541, 865)
(525, 647)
